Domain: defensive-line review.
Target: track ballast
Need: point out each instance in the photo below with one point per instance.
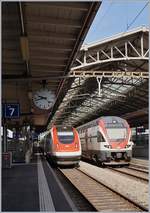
(100, 196)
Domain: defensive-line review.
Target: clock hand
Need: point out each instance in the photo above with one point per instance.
(42, 97)
(38, 99)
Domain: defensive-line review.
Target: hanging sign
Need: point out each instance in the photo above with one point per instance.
(12, 110)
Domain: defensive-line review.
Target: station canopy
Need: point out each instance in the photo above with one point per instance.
(111, 78)
(40, 40)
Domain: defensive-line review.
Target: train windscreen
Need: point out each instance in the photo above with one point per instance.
(117, 133)
(66, 137)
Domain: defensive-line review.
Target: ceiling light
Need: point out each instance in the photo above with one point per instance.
(24, 47)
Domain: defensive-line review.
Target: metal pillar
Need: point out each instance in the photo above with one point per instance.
(4, 142)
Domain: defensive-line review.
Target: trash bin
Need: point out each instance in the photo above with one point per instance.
(6, 160)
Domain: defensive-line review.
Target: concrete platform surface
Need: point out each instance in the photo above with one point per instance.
(33, 187)
(20, 188)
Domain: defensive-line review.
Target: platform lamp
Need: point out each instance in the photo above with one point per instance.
(24, 43)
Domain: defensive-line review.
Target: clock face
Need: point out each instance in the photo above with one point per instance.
(44, 99)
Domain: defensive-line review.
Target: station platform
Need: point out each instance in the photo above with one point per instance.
(33, 187)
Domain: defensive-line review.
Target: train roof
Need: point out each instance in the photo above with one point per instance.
(107, 119)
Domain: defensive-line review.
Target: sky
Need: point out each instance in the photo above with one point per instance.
(114, 16)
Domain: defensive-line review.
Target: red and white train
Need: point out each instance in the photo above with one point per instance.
(62, 145)
(106, 140)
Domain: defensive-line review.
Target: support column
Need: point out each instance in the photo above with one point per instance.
(4, 142)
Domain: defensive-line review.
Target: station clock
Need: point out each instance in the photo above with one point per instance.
(44, 98)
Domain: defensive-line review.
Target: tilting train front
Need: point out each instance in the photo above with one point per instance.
(62, 145)
(106, 140)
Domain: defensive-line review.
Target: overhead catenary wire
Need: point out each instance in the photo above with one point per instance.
(128, 24)
(137, 15)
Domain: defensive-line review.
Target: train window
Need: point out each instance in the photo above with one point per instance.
(100, 137)
(117, 133)
(114, 125)
(65, 137)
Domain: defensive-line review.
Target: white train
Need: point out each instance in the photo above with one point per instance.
(106, 140)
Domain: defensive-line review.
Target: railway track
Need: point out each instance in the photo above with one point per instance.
(133, 173)
(81, 203)
(138, 169)
(139, 164)
(101, 197)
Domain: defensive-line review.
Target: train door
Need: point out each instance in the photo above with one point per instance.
(83, 142)
(48, 143)
(94, 144)
(90, 141)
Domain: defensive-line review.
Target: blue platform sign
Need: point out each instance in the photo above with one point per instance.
(12, 110)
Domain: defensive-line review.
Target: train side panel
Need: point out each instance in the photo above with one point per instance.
(90, 147)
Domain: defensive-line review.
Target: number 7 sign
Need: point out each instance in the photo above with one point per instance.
(12, 110)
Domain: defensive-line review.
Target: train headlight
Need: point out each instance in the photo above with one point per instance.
(76, 145)
(127, 146)
(107, 146)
